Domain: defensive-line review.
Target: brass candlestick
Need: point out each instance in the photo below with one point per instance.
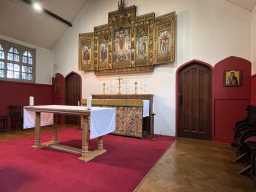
(136, 87)
(104, 88)
(119, 85)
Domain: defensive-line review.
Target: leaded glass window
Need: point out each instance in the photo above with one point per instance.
(1, 52)
(27, 70)
(13, 55)
(16, 62)
(2, 65)
(2, 69)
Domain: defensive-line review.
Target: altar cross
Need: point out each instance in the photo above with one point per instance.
(119, 85)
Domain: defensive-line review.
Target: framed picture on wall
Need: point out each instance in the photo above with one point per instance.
(232, 78)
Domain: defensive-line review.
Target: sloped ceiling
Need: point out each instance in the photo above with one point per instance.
(246, 4)
(19, 21)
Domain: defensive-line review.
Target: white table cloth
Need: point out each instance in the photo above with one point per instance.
(29, 119)
(102, 121)
(146, 104)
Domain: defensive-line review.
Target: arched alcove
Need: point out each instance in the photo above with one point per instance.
(230, 102)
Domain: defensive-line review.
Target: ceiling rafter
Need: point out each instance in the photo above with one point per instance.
(51, 14)
(244, 4)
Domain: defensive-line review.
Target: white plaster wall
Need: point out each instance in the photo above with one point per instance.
(207, 30)
(44, 61)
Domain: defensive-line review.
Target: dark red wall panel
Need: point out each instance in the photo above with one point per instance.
(253, 90)
(13, 93)
(230, 102)
(227, 112)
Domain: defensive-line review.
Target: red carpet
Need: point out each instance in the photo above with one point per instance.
(127, 161)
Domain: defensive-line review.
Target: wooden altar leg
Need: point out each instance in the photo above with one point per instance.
(86, 154)
(55, 129)
(100, 143)
(37, 131)
(85, 141)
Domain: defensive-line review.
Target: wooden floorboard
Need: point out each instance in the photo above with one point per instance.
(197, 166)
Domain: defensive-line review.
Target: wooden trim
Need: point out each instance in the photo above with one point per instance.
(115, 102)
(58, 111)
(24, 82)
(51, 14)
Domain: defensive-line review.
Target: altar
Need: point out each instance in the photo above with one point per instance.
(134, 113)
(95, 123)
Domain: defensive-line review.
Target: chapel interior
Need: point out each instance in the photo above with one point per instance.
(128, 95)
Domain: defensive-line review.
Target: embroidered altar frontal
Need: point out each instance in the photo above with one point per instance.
(129, 115)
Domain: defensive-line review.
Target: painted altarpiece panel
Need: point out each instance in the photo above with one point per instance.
(144, 40)
(129, 44)
(165, 38)
(122, 48)
(86, 52)
(102, 48)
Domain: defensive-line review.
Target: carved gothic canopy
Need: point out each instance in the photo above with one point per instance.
(128, 43)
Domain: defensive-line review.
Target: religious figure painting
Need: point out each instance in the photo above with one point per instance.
(165, 38)
(86, 51)
(103, 53)
(142, 49)
(232, 78)
(164, 42)
(121, 47)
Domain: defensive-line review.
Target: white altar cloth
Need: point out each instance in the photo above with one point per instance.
(30, 116)
(146, 108)
(102, 121)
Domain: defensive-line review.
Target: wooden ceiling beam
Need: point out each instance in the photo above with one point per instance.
(49, 13)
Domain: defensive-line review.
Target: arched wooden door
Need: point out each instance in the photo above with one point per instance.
(59, 89)
(195, 101)
(73, 84)
(59, 94)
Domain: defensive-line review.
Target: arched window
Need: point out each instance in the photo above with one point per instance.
(13, 67)
(27, 58)
(2, 66)
(16, 62)
(1, 52)
(27, 62)
(13, 55)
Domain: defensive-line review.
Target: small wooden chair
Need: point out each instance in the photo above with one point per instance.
(246, 125)
(4, 123)
(16, 116)
(250, 146)
(251, 142)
